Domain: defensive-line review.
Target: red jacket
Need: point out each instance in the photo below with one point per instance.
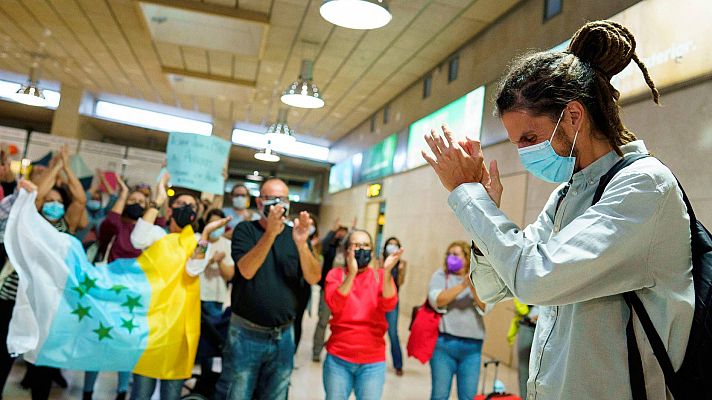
(358, 320)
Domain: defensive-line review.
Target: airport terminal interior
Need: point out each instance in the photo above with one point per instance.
(270, 199)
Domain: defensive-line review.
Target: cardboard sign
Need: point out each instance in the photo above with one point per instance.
(196, 162)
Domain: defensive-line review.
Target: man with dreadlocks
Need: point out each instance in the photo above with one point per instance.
(577, 259)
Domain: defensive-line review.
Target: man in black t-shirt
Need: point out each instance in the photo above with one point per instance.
(273, 260)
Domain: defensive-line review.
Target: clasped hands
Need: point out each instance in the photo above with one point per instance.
(462, 162)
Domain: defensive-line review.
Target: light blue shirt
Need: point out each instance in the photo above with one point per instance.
(236, 218)
(576, 262)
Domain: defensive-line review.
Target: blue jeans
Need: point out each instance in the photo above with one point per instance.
(256, 364)
(396, 353)
(342, 377)
(455, 356)
(143, 388)
(211, 313)
(90, 381)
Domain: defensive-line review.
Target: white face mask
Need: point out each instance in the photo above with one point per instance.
(239, 202)
(312, 229)
(391, 248)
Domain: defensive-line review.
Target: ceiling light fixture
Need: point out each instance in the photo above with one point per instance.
(30, 93)
(255, 176)
(356, 14)
(280, 131)
(267, 154)
(303, 92)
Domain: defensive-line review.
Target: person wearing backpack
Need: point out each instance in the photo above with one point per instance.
(577, 260)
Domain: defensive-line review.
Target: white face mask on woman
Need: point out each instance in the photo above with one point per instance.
(239, 202)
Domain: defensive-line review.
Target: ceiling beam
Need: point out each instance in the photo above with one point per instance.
(214, 9)
(203, 75)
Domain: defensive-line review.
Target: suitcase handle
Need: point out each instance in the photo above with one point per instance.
(484, 375)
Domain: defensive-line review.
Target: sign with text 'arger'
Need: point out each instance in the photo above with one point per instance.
(196, 161)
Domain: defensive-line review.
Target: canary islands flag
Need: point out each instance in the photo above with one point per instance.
(140, 315)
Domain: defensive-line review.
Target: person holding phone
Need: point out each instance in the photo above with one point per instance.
(274, 260)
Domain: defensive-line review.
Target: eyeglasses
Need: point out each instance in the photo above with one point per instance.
(277, 199)
(366, 246)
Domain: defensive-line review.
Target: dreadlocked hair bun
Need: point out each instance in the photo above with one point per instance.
(609, 47)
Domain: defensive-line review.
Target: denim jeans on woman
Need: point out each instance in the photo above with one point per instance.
(143, 388)
(396, 352)
(256, 365)
(91, 376)
(342, 377)
(455, 356)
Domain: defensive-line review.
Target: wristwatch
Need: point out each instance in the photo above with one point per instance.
(152, 204)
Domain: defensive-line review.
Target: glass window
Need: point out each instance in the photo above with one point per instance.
(452, 68)
(427, 85)
(552, 8)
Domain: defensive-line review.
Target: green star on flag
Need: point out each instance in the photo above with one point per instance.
(103, 332)
(88, 283)
(132, 302)
(128, 324)
(118, 288)
(82, 312)
(80, 289)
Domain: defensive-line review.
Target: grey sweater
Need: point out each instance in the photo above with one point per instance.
(461, 317)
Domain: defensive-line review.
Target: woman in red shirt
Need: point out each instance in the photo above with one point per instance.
(359, 297)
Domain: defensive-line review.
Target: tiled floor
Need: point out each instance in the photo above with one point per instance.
(306, 379)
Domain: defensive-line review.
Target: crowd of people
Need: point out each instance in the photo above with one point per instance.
(257, 265)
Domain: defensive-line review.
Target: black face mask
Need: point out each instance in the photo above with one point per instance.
(363, 257)
(133, 211)
(183, 216)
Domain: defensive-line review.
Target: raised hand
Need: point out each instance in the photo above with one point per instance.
(275, 220)
(218, 257)
(211, 227)
(300, 233)
(161, 195)
(27, 185)
(492, 183)
(453, 165)
(392, 260)
(351, 264)
(122, 184)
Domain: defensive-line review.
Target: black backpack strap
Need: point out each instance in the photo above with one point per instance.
(633, 301)
(635, 365)
(605, 179)
(635, 362)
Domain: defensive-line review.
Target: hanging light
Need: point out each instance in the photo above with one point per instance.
(303, 92)
(255, 176)
(30, 93)
(356, 14)
(267, 154)
(280, 131)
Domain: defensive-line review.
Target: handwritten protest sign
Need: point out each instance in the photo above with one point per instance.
(196, 161)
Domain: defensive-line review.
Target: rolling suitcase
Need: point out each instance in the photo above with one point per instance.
(495, 394)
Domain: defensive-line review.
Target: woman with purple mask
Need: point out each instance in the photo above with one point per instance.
(461, 331)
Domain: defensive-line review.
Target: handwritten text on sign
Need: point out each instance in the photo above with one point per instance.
(196, 162)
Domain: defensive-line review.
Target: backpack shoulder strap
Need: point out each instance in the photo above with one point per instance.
(634, 304)
(605, 179)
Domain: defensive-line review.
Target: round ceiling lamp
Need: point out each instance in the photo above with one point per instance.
(356, 14)
(280, 131)
(303, 93)
(255, 176)
(30, 94)
(267, 154)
